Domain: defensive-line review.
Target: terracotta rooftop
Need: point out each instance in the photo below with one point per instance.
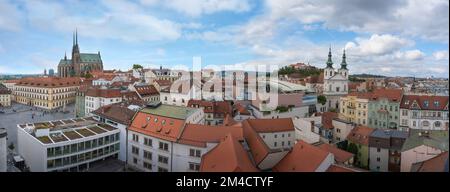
(327, 119)
(360, 135)
(340, 169)
(424, 102)
(50, 82)
(258, 148)
(304, 157)
(146, 90)
(271, 125)
(241, 109)
(228, 156)
(435, 164)
(216, 107)
(117, 112)
(199, 135)
(161, 127)
(105, 93)
(340, 155)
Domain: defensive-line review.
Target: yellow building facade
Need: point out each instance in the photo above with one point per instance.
(355, 108)
(46, 92)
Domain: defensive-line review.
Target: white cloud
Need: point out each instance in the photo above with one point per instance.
(9, 16)
(428, 19)
(377, 45)
(410, 55)
(441, 55)
(195, 8)
(121, 20)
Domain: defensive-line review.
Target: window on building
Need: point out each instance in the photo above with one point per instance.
(194, 166)
(378, 159)
(378, 150)
(134, 150)
(135, 138)
(147, 142)
(135, 160)
(163, 159)
(163, 146)
(147, 166)
(194, 153)
(147, 155)
(274, 144)
(160, 169)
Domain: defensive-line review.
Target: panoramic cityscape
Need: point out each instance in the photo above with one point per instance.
(224, 86)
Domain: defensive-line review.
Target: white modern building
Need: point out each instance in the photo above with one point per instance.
(66, 145)
(3, 150)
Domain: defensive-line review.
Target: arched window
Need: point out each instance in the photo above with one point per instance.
(437, 124)
(425, 123)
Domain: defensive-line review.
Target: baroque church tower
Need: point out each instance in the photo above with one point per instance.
(335, 81)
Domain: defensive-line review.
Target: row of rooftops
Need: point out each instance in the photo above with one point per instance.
(58, 131)
(4, 90)
(49, 82)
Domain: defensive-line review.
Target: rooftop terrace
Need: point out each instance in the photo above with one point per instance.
(65, 130)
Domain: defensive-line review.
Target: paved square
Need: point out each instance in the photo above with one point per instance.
(19, 114)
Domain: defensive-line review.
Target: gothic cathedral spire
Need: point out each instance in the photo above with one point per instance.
(344, 61)
(329, 62)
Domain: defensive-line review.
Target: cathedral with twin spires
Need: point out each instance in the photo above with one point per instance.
(80, 63)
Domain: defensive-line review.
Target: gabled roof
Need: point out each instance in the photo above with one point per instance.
(228, 156)
(304, 157)
(199, 135)
(435, 164)
(216, 107)
(49, 82)
(360, 135)
(161, 127)
(424, 102)
(340, 169)
(258, 148)
(271, 125)
(340, 155)
(433, 138)
(241, 109)
(327, 119)
(146, 90)
(105, 93)
(117, 112)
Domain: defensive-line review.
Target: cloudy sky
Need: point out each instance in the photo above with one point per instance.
(389, 37)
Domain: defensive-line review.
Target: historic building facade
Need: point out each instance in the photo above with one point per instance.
(81, 63)
(335, 83)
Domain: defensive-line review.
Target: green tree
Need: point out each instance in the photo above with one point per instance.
(88, 75)
(352, 148)
(137, 66)
(322, 99)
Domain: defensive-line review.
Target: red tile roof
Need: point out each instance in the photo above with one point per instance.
(216, 107)
(304, 157)
(258, 148)
(164, 128)
(241, 109)
(340, 155)
(419, 102)
(271, 125)
(327, 119)
(146, 90)
(360, 135)
(117, 112)
(199, 135)
(49, 82)
(435, 164)
(228, 156)
(105, 93)
(340, 169)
